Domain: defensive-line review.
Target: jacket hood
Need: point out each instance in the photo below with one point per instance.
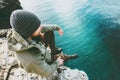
(16, 42)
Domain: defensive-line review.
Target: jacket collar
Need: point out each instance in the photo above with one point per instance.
(16, 42)
(19, 38)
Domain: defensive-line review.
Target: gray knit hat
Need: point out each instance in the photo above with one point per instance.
(24, 22)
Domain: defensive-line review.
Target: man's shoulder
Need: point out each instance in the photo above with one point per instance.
(16, 42)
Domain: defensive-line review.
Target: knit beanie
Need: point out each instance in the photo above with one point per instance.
(24, 22)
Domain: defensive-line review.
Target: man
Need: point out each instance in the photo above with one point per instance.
(32, 54)
(46, 35)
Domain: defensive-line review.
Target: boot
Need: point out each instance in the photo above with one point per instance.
(56, 50)
(65, 57)
(73, 56)
(69, 57)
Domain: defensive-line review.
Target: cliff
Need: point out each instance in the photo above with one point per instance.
(6, 8)
(9, 69)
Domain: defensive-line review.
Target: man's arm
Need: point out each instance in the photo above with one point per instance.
(46, 28)
(35, 63)
(42, 68)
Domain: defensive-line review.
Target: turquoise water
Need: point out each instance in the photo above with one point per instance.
(91, 29)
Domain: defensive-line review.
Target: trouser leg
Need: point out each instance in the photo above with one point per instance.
(49, 39)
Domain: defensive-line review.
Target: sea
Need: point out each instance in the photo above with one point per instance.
(91, 30)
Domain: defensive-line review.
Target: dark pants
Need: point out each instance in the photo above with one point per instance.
(49, 39)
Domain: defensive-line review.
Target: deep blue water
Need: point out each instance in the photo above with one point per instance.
(91, 29)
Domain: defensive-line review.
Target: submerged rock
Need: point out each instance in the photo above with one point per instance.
(9, 70)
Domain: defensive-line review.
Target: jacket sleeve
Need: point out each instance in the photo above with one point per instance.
(42, 69)
(35, 63)
(46, 28)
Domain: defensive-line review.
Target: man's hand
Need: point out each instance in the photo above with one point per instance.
(60, 31)
(60, 61)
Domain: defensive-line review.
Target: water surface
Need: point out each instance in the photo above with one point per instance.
(91, 29)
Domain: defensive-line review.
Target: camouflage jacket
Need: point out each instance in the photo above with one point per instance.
(33, 56)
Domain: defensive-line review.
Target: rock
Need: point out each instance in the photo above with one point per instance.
(9, 70)
(12, 61)
(3, 32)
(68, 74)
(6, 8)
